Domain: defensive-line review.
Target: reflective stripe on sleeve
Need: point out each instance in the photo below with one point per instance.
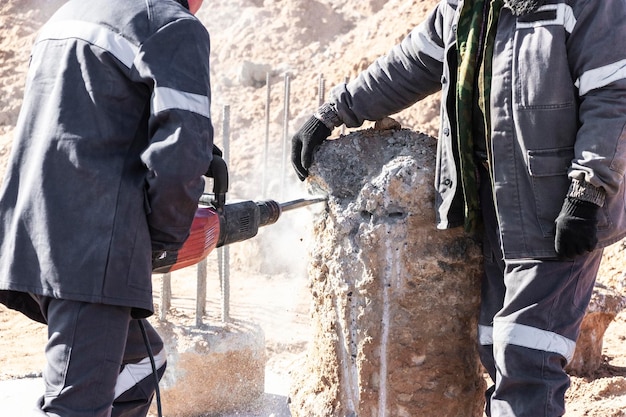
(134, 373)
(165, 98)
(97, 35)
(427, 46)
(601, 77)
(533, 338)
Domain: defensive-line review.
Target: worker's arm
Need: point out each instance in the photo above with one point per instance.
(411, 71)
(176, 61)
(599, 164)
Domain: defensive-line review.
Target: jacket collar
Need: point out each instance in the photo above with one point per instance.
(183, 3)
(522, 7)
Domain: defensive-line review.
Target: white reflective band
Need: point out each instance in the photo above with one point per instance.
(564, 17)
(485, 335)
(134, 373)
(601, 77)
(427, 46)
(533, 338)
(97, 35)
(165, 98)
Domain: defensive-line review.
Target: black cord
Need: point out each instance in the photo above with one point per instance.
(154, 370)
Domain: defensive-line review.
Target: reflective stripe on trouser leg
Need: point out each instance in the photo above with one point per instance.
(534, 334)
(136, 382)
(134, 373)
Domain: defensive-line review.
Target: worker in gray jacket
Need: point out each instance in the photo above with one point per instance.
(112, 140)
(531, 153)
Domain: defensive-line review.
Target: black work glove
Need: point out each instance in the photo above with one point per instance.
(309, 137)
(576, 228)
(163, 260)
(217, 151)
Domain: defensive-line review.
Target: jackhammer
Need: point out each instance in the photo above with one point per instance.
(216, 223)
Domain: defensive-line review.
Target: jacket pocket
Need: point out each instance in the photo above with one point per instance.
(548, 174)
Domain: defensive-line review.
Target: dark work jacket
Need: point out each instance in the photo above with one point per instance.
(110, 146)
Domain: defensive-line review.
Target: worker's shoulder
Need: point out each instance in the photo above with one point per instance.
(135, 20)
(170, 15)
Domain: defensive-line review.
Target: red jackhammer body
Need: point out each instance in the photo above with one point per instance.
(217, 224)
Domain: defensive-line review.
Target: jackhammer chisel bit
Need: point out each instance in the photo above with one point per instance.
(301, 202)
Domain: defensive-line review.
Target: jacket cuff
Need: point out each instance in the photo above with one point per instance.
(327, 114)
(584, 191)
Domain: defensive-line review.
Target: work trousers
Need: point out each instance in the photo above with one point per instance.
(97, 361)
(530, 317)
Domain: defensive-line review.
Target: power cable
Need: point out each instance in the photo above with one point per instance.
(153, 364)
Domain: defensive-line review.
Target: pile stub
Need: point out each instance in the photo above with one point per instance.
(211, 369)
(395, 301)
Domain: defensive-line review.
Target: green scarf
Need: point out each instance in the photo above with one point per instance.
(474, 57)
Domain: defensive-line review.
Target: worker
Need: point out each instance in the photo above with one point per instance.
(530, 155)
(113, 138)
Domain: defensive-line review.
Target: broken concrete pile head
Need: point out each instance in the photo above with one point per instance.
(395, 301)
(211, 369)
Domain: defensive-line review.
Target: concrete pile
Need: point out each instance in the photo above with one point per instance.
(395, 301)
(211, 369)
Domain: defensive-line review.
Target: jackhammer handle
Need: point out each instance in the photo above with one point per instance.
(218, 170)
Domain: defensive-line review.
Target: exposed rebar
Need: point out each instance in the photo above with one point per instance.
(166, 295)
(343, 127)
(267, 135)
(201, 291)
(321, 91)
(283, 170)
(223, 253)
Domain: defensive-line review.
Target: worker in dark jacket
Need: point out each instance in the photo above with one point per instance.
(110, 147)
(531, 151)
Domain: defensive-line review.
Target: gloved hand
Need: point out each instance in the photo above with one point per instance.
(576, 228)
(304, 142)
(162, 259)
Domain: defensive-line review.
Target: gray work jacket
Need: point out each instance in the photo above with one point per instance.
(558, 112)
(112, 140)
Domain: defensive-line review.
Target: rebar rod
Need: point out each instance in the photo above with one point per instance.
(321, 91)
(201, 291)
(166, 295)
(223, 253)
(343, 127)
(283, 170)
(267, 135)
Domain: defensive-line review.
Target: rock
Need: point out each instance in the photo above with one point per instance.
(395, 301)
(605, 304)
(252, 74)
(387, 123)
